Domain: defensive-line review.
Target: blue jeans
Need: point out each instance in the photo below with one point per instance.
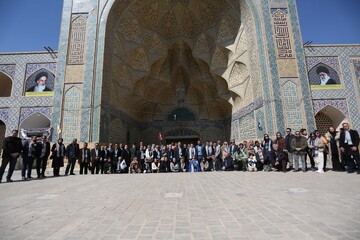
(4, 163)
(296, 161)
(27, 165)
(199, 158)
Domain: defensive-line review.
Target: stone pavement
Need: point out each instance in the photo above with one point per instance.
(212, 205)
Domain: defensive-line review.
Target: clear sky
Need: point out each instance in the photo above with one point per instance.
(29, 25)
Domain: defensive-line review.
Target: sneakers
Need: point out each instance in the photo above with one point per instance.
(9, 180)
(320, 171)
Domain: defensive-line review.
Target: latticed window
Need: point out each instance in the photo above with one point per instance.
(181, 114)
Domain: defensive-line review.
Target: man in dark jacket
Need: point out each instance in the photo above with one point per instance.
(72, 154)
(43, 155)
(299, 146)
(278, 158)
(84, 159)
(95, 159)
(349, 143)
(11, 151)
(288, 149)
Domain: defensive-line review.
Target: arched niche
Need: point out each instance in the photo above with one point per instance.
(5, 85)
(327, 117)
(35, 121)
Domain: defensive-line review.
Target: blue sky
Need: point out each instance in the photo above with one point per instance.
(29, 25)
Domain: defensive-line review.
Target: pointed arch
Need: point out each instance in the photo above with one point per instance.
(35, 120)
(327, 117)
(5, 84)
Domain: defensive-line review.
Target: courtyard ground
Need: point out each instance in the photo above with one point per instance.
(212, 205)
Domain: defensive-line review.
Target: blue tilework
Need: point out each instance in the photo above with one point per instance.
(260, 127)
(276, 90)
(87, 109)
(305, 88)
(60, 73)
(350, 90)
(99, 70)
(264, 74)
(12, 105)
(8, 69)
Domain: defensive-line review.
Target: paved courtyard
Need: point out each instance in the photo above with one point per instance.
(213, 205)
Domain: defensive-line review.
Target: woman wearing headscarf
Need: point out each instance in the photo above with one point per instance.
(333, 137)
(58, 154)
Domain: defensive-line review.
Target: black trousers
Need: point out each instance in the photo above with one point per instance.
(325, 160)
(83, 167)
(336, 162)
(218, 164)
(312, 162)
(27, 165)
(4, 163)
(102, 167)
(211, 165)
(70, 166)
(352, 158)
(56, 171)
(95, 167)
(41, 164)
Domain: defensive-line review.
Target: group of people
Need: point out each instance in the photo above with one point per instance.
(283, 153)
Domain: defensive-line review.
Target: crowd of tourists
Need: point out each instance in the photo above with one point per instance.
(283, 154)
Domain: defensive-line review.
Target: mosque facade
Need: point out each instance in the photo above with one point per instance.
(130, 70)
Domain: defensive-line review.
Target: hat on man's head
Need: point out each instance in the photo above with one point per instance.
(40, 75)
(322, 69)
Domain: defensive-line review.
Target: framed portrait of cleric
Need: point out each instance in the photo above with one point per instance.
(323, 74)
(40, 83)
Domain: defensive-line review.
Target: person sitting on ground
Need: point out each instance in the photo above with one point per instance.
(108, 166)
(174, 167)
(134, 166)
(261, 164)
(278, 158)
(194, 165)
(182, 164)
(228, 162)
(237, 160)
(252, 163)
(155, 166)
(118, 168)
(204, 165)
(244, 160)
